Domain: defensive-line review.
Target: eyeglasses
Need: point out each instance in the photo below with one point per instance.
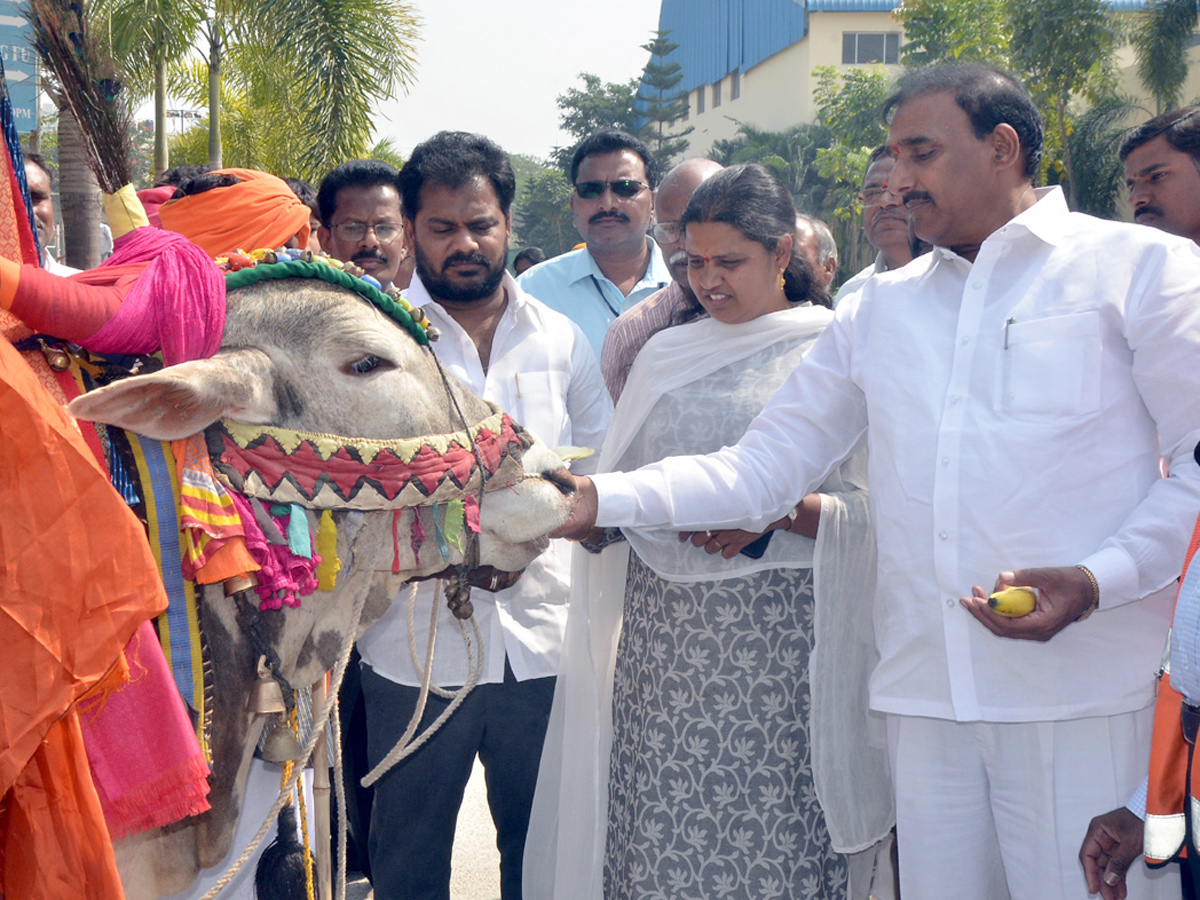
(356, 231)
(624, 188)
(873, 196)
(666, 232)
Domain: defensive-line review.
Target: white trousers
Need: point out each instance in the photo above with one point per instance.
(998, 811)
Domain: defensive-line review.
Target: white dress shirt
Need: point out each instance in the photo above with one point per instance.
(543, 373)
(1015, 410)
(574, 285)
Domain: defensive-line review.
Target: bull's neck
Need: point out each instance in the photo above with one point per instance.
(479, 318)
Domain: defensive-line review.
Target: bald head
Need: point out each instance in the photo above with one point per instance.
(815, 240)
(670, 202)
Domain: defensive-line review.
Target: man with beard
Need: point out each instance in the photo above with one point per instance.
(612, 206)
(457, 190)
(1162, 172)
(1018, 387)
(674, 304)
(359, 205)
(885, 221)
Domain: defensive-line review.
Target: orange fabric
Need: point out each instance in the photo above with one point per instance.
(261, 211)
(76, 580)
(53, 841)
(10, 277)
(1168, 790)
(231, 559)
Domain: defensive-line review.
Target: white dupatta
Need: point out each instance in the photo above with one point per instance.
(564, 852)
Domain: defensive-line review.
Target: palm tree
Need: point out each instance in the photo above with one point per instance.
(1160, 39)
(309, 71)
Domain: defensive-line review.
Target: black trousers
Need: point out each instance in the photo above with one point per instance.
(416, 803)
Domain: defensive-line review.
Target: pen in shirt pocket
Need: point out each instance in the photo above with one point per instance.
(517, 379)
(1011, 321)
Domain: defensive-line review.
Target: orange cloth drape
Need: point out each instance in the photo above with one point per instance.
(76, 580)
(261, 211)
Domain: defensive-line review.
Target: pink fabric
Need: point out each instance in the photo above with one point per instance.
(152, 199)
(177, 304)
(284, 577)
(145, 759)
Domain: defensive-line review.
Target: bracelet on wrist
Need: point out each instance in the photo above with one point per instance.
(1095, 593)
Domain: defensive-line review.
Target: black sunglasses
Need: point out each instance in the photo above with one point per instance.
(624, 188)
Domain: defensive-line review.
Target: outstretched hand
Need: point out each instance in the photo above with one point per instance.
(583, 509)
(1113, 841)
(1064, 594)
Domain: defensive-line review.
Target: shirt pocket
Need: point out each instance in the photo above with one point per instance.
(1050, 368)
(543, 405)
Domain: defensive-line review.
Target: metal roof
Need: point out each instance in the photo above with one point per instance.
(852, 5)
(716, 37)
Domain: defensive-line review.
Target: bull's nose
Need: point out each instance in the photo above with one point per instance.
(562, 479)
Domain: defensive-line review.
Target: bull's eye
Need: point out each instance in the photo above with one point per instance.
(366, 365)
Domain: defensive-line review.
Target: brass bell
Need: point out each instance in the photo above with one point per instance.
(281, 744)
(265, 697)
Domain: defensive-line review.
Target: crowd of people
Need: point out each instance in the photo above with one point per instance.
(765, 663)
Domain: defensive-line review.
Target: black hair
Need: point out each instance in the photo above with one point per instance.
(753, 200)
(988, 96)
(883, 151)
(305, 193)
(534, 255)
(176, 175)
(1181, 128)
(204, 181)
(367, 173)
(609, 140)
(40, 161)
(452, 159)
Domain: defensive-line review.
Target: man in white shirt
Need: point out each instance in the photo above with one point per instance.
(1017, 387)
(885, 221)
(456, 192)
(614, 176)
(41, 195)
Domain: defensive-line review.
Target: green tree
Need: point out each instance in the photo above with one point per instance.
(1095, 139)
(792, 154)
(541, 216)
(963, 30)
(849, 104)
(1160, 39)
(661, 103)
(599, 104)
(319, 66)
(1064, 48)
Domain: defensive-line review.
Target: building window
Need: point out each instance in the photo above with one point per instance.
(860, 48)
(700, 100)
(716, 86)
(735, 84)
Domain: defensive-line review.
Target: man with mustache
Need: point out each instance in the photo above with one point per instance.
(885, 221)
(1018, 387)
(614, 176)
(1162, 172)
(674, 304)
(359, 205)
(457, 190)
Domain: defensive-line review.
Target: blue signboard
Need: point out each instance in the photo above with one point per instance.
(20, 64)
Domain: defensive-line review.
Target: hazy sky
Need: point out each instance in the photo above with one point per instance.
(496, 66)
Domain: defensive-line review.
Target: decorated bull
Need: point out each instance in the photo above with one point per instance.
(325, 395)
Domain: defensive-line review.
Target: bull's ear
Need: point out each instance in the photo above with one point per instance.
(185, 399)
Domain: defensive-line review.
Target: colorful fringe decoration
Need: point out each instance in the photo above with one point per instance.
(327, 548)
(207, 517)
(284, 576)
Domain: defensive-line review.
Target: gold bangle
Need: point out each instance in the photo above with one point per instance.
(1095, 594)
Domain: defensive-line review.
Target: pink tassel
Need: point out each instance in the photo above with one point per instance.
(471, 507)
(417, 537)
(396, 542)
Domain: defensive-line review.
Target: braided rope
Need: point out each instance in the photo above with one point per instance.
(319, 723)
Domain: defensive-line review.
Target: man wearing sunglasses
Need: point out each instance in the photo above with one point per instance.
(614, 176)
(361, 222)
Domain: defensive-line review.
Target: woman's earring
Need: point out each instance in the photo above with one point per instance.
(782, 282)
